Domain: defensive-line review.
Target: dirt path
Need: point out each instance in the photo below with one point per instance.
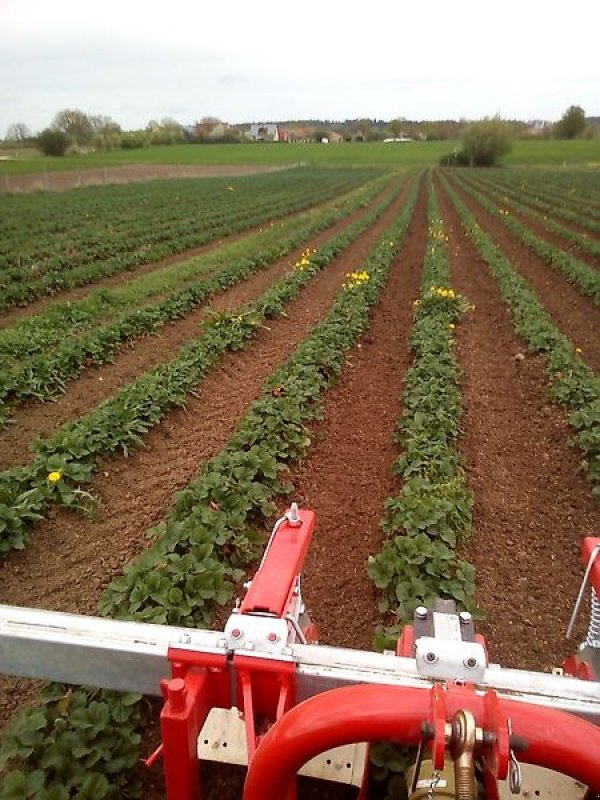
(570, 310)
(65, 180)
(347, 476)
(532, 504)
(94, 385)
(69, 560)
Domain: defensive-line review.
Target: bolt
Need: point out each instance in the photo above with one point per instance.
(293, 517)
(470, 662)
(273, 637)
(431, 657)
(236, 633)
(465, 617)
(421, 612)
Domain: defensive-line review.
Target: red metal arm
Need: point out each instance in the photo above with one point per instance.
(370, 713)
(272, 586)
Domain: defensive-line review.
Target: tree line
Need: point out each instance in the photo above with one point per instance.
(72, 128)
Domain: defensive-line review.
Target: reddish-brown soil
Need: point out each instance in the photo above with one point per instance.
(347, 476)
(571, 311)
(94, 385)
(532, 503)
(69, 560)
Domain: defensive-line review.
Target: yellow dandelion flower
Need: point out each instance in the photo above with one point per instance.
(578, 350)
(54, 477)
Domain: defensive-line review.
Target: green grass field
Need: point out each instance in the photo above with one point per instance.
(570, 153)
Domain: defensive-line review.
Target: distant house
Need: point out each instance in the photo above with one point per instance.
(266, 132)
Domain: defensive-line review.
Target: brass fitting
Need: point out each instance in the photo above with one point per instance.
(462, 749)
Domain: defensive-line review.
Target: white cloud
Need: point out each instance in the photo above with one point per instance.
(139, 60)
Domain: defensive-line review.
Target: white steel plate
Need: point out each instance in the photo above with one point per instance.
(544, 784)
(446, 626)
(223, 739)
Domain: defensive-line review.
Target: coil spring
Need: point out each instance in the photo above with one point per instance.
(593, 634)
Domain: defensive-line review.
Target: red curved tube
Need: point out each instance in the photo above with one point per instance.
(370, 713)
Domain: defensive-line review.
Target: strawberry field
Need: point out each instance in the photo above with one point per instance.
(413, 355)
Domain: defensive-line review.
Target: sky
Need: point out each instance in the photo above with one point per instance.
(138, 60)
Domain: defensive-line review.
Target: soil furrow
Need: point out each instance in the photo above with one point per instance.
(347, 476)
(532, 503)
(94, 385)
(69, 559)
(571, 311)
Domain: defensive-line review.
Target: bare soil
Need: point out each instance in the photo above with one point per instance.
(532, 503)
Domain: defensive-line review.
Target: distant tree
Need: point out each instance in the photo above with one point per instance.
(77, 125)
(396, 127)
(167, 131)
(571, 124)
(132, 140)
(52, 142)
(363, 129)
(107, 132)
(486, 141)
(18, 132)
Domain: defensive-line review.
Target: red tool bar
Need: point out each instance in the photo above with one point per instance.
(273, 584)
(555, 740)
(588, 548)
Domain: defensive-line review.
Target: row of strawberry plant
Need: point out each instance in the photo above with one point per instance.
(550, 204)
(582, 241)
(45, 374)
(39, 333)
(431, 514)
(580, 274)
(572, 382)
(197, 553)
(137, 244)
(68, 458)
(566, 189)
